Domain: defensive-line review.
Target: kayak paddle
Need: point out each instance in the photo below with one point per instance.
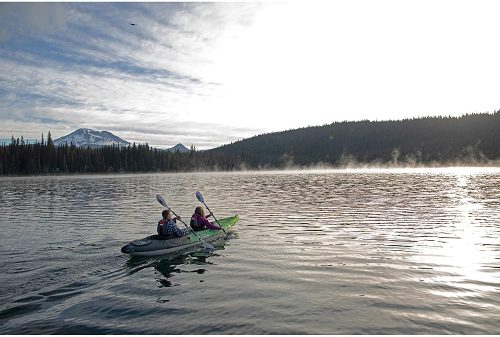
(202, 200)
(162, 201)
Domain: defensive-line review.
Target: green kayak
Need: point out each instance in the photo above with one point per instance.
(160, 245)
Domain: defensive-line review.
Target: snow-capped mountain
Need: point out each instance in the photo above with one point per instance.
(179, 147)
(92, 138)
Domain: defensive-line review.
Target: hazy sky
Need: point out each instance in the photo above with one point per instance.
(211, 73)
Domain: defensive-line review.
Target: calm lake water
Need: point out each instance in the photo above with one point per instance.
(315, 252)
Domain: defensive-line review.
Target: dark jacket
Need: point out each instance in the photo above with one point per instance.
(169, 228)
(199, 223)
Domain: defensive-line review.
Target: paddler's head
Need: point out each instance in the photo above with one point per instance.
(166, 214)
(199, 210)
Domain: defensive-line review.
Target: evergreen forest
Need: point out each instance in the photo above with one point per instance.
(20, 158)
(472, 139)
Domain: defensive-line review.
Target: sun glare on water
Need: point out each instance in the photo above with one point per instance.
(461, 255)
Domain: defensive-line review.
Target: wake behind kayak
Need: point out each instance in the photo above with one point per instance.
(154, 245)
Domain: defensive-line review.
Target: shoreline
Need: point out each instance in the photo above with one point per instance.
(306, 169)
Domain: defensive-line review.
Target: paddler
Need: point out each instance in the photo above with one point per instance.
(200, 222)
(167, 225)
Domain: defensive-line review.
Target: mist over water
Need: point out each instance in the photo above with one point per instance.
(394, 251)
(470, 157)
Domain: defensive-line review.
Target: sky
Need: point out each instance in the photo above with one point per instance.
(207, 74)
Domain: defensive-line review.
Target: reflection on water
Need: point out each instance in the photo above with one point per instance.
(468, 254)
(315, 252)
(166, 268)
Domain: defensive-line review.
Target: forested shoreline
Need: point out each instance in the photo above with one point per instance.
(20, 158)
(472, 139)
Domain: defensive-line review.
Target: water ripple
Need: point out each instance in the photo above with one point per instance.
(329, 252)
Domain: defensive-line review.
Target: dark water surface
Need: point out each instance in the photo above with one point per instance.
(325, 252)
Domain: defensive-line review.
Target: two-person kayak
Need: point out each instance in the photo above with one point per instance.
(160, 245)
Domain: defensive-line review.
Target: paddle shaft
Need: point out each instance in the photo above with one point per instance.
(182, 221)
(215, 218)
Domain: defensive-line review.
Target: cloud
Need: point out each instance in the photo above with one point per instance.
(87, 66)
(18, 20)
(212, 73)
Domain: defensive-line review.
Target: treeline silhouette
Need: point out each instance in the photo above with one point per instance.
(21, 158)
(470, 139)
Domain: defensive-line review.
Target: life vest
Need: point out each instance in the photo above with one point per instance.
(161, 227)
(195, 224)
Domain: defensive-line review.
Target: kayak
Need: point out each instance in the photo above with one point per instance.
(160, 245)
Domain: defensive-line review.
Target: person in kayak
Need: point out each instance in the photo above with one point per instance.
(167, 226)
(200, 222)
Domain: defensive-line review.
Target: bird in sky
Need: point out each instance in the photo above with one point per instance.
(132, 24)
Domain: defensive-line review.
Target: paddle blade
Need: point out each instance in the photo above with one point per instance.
(162, 201)
(200, 197)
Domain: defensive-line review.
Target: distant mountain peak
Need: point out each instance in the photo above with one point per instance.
(88, 137)
(179, 147)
